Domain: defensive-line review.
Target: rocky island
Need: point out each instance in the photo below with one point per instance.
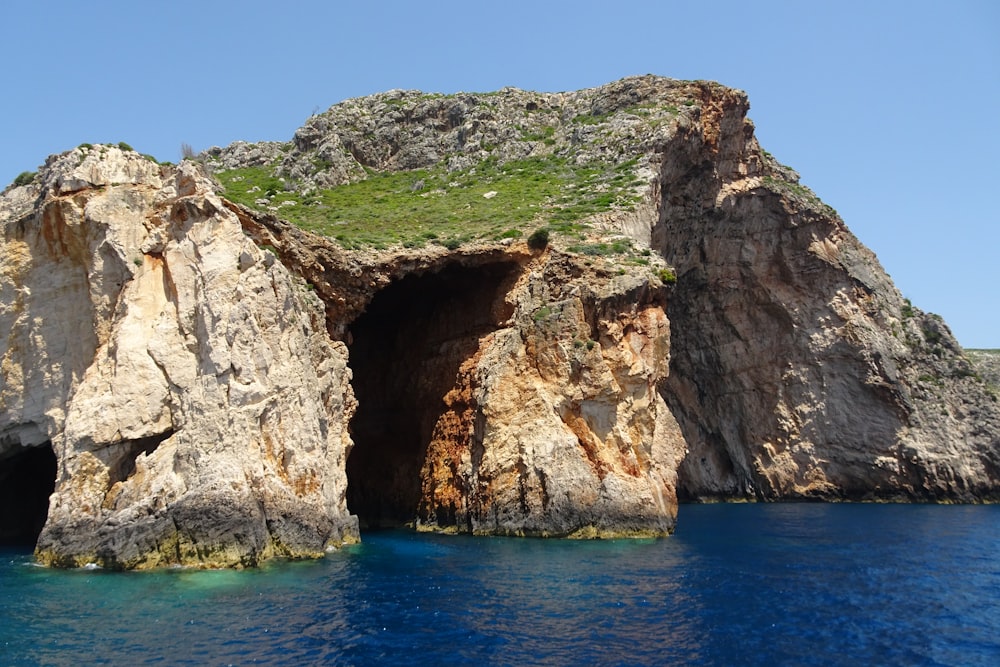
(509, 313)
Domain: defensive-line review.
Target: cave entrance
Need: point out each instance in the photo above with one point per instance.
(27, 479)
(405, 353)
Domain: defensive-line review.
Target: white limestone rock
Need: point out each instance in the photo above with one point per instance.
(196, 405)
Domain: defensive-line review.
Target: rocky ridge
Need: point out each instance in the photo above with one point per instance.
(697, 325)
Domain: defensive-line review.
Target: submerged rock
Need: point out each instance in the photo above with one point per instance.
(704, 328)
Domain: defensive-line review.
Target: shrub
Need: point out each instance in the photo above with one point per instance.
(24, 178)
(907, 310)
(125, 147)
(666, 276)
(539, 239)
(542, 313)
(932, 336)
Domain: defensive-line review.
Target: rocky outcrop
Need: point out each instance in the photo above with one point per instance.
(567, 433)
(501, 390)
(987, 366)
(197, 413)
(199, 409)
(798, 369)
(211, 385)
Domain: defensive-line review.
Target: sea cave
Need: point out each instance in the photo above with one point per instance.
(405, 352)
(27, 479)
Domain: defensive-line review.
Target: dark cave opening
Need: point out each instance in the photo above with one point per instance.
(405, 353)
(27, 479)
(123, 467)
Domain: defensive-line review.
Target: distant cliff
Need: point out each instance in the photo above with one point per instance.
(506, 313)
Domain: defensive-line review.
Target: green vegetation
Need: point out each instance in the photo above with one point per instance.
(930, 379)
(542, 313)
(125, 147)
(798, 191)
(546, 135)
(618, 247)
(650, 108)
(411, 208)
(25, 178)
(666, 276)
(907, 310)
(932, 336)
(590, 119)
(539, 239)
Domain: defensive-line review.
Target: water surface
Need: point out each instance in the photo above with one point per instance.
(795, 584)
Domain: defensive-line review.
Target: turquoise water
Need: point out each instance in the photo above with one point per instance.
(737, 585)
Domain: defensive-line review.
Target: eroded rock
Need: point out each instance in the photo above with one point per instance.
(798, 369)
(184, 379)
(198, 392)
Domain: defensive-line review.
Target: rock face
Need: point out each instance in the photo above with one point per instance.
(798, 369)
(501, 390)
(196, 411)
(210, 385)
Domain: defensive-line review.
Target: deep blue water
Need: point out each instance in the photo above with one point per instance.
(794, 584)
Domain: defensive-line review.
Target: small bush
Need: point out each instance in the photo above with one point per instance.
(125, 147)
(539, 239)
(932, 336)
(907, 310)
(666, 276)
(24, 178)
(542, 313)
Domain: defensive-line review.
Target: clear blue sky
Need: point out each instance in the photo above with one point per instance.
(889, 110)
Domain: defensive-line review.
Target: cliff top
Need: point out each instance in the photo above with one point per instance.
(407, 168)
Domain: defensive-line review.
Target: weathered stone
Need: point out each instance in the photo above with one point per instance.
(202, 410)
(797, 369)
(197, 412)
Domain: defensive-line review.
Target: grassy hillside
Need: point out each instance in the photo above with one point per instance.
(411, 208)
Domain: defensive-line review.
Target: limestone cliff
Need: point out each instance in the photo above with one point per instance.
(798, 369)
(196, 412)
(482, 332)
(501, 389)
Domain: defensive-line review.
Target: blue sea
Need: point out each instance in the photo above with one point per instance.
(752, 584)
